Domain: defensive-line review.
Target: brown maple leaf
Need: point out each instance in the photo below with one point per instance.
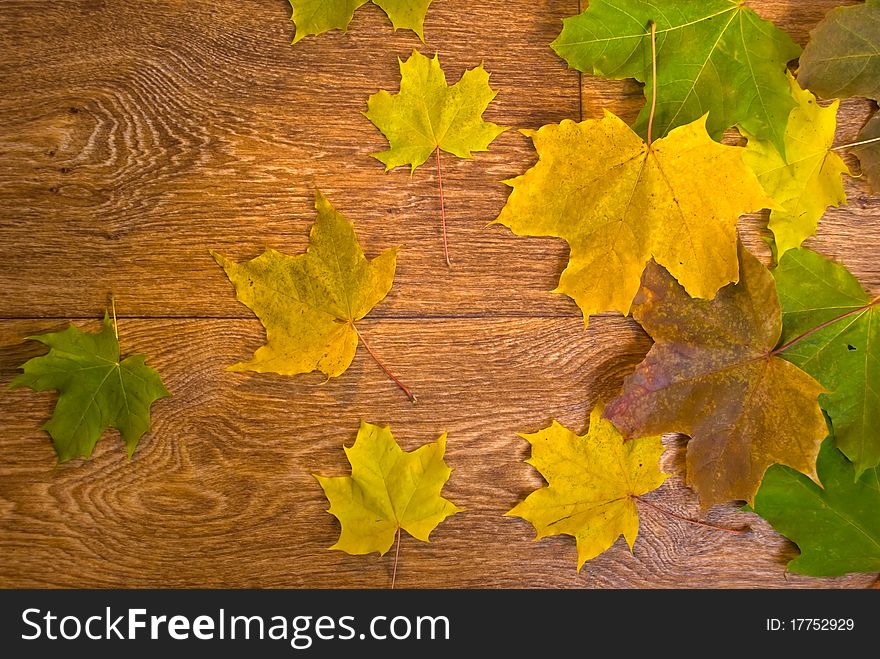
(713, 374)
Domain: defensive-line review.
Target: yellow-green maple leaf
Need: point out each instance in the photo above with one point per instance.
(591, 484)
(97, 389)
(808, 179)
(313, 17)
(389, 489)
(618, 202)
(427, 114)
(406, 14)
(309, 303)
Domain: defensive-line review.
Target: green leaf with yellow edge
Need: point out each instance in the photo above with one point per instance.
(313, 17)
(834, 325)
(835, 526)
(389, 489)
(309, 303)
(809, 178)
(591, 484)
(97, 389)
(619, 202)
(713, 56)
(427, 115)
(714, 373)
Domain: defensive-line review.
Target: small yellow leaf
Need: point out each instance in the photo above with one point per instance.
(591, 482)
(808, 179)
(427, 114)
(389, 489)
(313, 17)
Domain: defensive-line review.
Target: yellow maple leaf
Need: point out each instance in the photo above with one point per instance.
(591, 484)
(389, 489)
(808, 179)
(618, 202)
(309, 303)
(427, 115)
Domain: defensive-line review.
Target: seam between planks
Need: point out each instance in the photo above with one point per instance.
(396, 317)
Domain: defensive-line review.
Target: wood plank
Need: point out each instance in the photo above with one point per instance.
(136, 137)
(146, 139)
(220, 493)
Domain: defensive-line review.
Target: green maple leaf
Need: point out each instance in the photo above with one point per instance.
(389, 489)
(840, 325)
(808, 179)
(313, 17)
(842, 58)
(96, 389)
(309, 303)
(427, 115)
(715, 56)
(835, 526)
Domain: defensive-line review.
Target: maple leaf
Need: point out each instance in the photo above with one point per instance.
(96, 389)
(836, 526)
(406, 14)
(808, 179)
(837, 327)
(389, 489)
(309, 303)
(313, 17)
(592, 483)
(618, 202)
(842, 58)
(427, 116)
(713, 374)
(713, 56)
(868, 151)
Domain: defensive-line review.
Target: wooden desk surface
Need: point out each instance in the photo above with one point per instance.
(137, 136)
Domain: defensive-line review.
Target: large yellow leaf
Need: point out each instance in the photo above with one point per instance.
(618, 202)
(591, 484)
(808, 179)
(309, 303)
(389, 489)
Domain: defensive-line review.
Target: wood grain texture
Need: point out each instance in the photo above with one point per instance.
(137, 136)
(221, 494)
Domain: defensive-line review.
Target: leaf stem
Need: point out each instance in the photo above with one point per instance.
(818, 328)
(669, 513)
(115, 323)
(852, 144)
(396, 559)
(442, 208)
(400, 384)
(653, 82)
